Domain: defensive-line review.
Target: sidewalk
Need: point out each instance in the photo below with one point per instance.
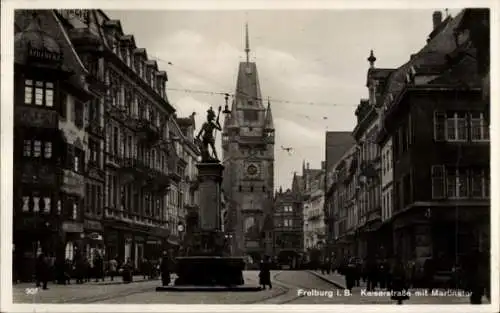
(117, 281)
(339, 281)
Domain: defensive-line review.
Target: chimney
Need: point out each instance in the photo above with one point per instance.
(307, 165)
(323, 165)
(437, 17)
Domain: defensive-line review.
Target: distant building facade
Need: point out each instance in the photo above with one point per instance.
(336, 143)
(313, 206)
(288, 227)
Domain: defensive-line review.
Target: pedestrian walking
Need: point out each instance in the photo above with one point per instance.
(165, 269)
(127, 271)
(265, 273)
(476, 269)
(145, 268)
(350, 274)
(42, 271)
(399, 285)
(113, 268)
(98, 266)
(371, 273)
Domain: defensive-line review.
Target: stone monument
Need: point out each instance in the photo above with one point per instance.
(207, 267)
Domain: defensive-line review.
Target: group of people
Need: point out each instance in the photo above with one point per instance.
(83, 270)
(394, 274)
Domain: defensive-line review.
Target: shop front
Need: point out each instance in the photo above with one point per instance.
(94, 239)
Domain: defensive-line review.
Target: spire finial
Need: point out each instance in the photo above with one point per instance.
(372, 59)
(247, 42)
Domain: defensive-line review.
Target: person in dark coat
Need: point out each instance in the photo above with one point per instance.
(165, 269)
(399, 282)
(42, 271)
(127, 271)
(98, 266)
(429, 271)
(371, 273)
(476, 270)
(265, 273)
(350, 272)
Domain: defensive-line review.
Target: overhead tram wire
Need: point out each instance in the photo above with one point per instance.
(238, 91)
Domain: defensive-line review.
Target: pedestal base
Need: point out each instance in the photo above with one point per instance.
(210, 271)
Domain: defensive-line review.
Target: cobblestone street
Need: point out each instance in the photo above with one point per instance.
(289, 287)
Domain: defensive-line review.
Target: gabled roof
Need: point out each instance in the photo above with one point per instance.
(432, 54)
(247, 84)
(51, 23)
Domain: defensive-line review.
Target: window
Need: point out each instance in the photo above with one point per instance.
(240, 188)
(480, 183)
(27, 148)
(36, 204)
(78, 114)
(456, 183)
(115, 140)
(26, 202)
(74, 213)
(479, 128)
(94, 152)
(47, 204)
(68, 254)
(39, 93)
(76, 163)
(251, 115)
(47, 150)
(438, 181)
(37, 148)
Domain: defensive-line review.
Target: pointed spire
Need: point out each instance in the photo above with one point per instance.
(247, 43)
(372, 59)
(269, 117)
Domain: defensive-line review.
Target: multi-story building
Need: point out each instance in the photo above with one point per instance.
(189, 216)
(50, 141)
(313, 203)
(288, 227)
(248, 157)
(341, 206)
(336, 145)
(141, 159)
(368, 197)
(434, 103)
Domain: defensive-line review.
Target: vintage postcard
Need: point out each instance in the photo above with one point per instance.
(206, 156)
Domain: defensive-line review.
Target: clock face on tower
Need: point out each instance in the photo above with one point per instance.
(252, 170)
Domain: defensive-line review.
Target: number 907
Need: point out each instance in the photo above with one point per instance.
(31, 291)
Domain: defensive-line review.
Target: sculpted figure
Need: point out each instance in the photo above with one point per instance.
(207, 134)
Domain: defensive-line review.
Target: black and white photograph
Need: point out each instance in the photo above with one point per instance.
(248, 155)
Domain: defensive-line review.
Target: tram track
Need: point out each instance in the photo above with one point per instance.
(287, 295)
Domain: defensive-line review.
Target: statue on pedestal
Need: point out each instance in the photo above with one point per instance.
(207, 132)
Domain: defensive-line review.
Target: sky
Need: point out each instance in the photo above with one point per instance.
(311, 64)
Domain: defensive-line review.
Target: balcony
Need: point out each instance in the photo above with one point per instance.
(132, 169)
(35, 117)
(116, 112)
(33, 172)
(315, 217)
(158, 181)
(175, 168)
(95, 172)
(95, 128)
(148, 132)
(139, 221)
